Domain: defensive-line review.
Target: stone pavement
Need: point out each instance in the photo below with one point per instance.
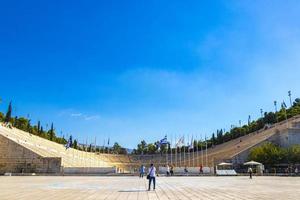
(88, 188)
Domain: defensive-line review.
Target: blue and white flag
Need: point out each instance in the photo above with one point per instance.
(163, 141)
(69, 143)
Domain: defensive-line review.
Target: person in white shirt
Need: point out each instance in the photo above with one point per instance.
(151, 176)
(250, 172)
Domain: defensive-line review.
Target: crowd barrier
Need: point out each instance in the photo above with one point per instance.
(191, 170)
(89, 170)
(226, 172)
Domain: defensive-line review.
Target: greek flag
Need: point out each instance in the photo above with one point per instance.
(164, 141)
(69, 144)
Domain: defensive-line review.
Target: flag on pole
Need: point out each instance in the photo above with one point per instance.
(191, 146)
(86, 145)
(206, 151)
(180, 142)
(108, 141)
(95, 145)
(163, 141)
(69, 143)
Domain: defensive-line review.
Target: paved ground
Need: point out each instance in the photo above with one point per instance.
(88, 188)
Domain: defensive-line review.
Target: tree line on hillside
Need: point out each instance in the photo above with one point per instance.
(220, 136)
(270, 154)
(38, 129)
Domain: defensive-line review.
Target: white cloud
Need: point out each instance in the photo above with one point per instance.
(76, 114)
(91, 117)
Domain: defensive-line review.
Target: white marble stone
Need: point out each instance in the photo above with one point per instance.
(181, 188)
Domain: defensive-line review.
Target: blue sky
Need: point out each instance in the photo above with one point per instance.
(142, 69)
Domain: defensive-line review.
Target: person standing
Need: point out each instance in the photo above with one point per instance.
(250, 171)
(201, 169)
(186, 170)
(168, 170)
(151, 176)
(172, 170)
(296, 171)
(142, 171)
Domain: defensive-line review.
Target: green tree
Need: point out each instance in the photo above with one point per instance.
(116, 148)
(51, 132)
(39, 127)
(89, 148)
(151, 148)
(269, 154)
(142, 147)
(8, 113)
(28, 128)
(21, 123)
(213, 139)
(75, 144)
(15, 121)
(219, 136)
(293, 154)
(1, 117)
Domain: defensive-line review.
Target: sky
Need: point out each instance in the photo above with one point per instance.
(134, 70)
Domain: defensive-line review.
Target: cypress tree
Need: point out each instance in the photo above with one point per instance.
(213, 139)
(16, 121)
(8, 113)
(75, 144)
(28, 126)
(38, 127)
(71, 141)
(51, 132)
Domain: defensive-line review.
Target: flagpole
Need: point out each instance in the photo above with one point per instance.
(193, 151)
(108, 141)
(201, 152)
(180, 162)
(183, 152)
(171, 150)
(197, 150)
(95, 157)
(103, 149)
(176, 164)
(189, 152)
(91, 150)
(205, 151)
(167, 146)
(95, 144)
(283, 105)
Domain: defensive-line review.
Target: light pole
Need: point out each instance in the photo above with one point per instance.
(290, 96)
(249, 120)
(275, 105)
(261, 113)
(283, 106)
